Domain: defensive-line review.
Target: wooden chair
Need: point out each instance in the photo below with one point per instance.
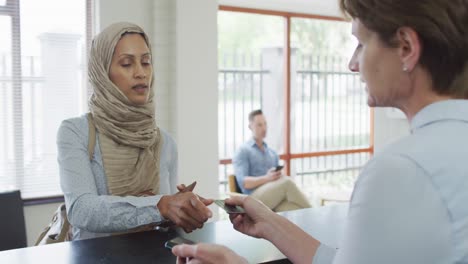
(234, 188)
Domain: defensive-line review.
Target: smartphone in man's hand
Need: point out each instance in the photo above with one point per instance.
(279, 167)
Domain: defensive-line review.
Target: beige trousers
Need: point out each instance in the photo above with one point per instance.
(281, 195)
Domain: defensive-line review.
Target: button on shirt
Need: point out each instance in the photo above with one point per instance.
(250, 160)
(410, 202)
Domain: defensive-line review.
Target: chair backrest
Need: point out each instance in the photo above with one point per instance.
(12, 225)
(233, 185)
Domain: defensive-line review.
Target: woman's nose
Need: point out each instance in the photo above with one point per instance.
(140, 72)
(353, 65)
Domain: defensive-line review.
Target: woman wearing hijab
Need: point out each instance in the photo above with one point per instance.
(409, 202)
(129, 183)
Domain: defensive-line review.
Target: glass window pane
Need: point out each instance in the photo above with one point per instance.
(329, 110)
(328, 178)
(53, 45)
(251, 76)
(50, 67)
(250, 48)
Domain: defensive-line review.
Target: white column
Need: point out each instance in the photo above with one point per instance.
(195, 112)
(163, 42)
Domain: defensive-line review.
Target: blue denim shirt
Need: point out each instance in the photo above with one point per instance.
(251, 161)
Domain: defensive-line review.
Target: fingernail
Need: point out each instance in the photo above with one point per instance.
(210, 214)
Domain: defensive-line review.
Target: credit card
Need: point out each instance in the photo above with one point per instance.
(230, 209)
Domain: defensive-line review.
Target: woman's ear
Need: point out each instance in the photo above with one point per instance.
(409, 46)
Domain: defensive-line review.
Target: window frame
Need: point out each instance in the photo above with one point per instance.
(12, 9)
(288, 156)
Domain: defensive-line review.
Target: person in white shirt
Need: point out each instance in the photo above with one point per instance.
(409, 202)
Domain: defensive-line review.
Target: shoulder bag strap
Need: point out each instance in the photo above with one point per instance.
(91, 136)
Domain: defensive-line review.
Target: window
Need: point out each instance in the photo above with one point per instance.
(250, 59)
(42, 82)
(330, 120)
(319, 122)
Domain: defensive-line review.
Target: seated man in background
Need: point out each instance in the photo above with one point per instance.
(255, 168)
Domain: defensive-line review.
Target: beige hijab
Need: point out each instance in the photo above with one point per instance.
(129, 139)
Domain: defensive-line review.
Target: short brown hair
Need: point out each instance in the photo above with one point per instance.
(254, 113)
(442, 28)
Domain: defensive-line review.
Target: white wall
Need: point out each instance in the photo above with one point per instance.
(196, 93)
(36, 218)
(163, 41)
(136, 11)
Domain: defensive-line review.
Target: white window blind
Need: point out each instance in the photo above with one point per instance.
(42, 82)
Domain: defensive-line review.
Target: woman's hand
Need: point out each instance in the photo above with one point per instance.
(183, 188)
(190, 188)
(206, 253)
(185, 209)
(257, 217)
(259, 221)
